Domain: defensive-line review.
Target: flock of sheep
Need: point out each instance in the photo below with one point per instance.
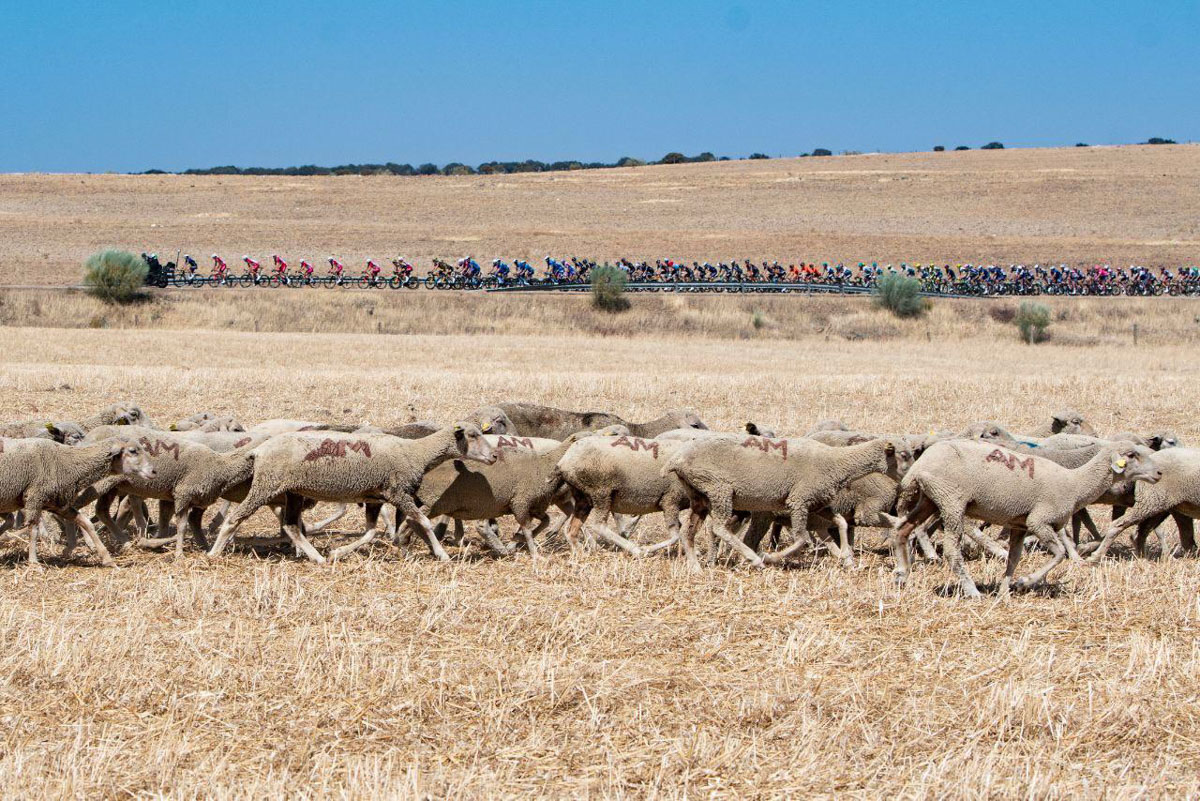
(523, 460)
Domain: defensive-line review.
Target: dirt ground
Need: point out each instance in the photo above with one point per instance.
(1123, 205)
(391, 675)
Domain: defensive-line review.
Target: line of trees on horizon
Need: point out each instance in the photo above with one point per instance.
(529, 165)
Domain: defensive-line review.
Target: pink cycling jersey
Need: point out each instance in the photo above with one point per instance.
(252, 264)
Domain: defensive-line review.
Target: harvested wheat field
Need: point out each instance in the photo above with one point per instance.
(260, 675)
(1123, 205)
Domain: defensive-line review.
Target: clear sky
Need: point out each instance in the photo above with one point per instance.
(118, 85)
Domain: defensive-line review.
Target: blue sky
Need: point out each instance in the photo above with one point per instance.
(96, 86)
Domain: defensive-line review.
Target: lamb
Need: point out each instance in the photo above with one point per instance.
(766, 475)
(1178, 494)
(960, 479)
(533, 420)
(189, 476)
(624, 475)
(351, 468)
(39, 476)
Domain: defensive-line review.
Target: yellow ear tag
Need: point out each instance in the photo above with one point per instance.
(1120, 463)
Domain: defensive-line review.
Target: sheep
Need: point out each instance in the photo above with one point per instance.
(189, 476)
(959, 479)
(520, 482)
(351, 468)
(127, 414)
(1067, 421)
(827, 425)
(759, 474)
(64, 431)
(690, 434)
(1178, 494)
(624, 475)
(41, 476)
(208, 422)
(533, 420)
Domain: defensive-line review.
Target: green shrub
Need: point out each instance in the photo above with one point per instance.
(608, 289)
(939, 148)
(993, 146)
(900, 295)
(1032, 320)
(115, 276)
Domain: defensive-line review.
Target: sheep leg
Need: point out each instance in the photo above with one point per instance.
(988, 544)
(1116, 527)
(196, 522)
(799, 528)
(760, 524)
(1085, 518)
(844, 540)
(301, 543)
(954, 526)
(35, 525)
(70, 538)
(721, 510)
(372, 514)
(8, 522)
(1187, 534)
(251, 504)
(93, 539)
(1049, 538)
(329, 521)
(1016, 542)
(218, 518)
(181, 522)
(688, 540)
(626, 524)
(406, 507)
(921, 535)
(166, 510)
(120, 536)
(529, 535)
(608, 535)
(1068, 543)
(491, 537)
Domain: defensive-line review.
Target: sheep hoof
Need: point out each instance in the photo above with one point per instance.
(900, 579)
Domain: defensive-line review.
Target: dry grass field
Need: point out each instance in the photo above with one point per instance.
(392, 675)
(1103, 204)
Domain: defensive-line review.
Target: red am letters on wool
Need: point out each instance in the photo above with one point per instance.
(767, 445)
(515, 443)
(336, 449)
(636, 444)
(159, 447)
(1011, 461)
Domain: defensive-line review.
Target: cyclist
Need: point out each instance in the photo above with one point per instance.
(253, 266)
(219, 268)
(499, 270)
(191, 264)
(336, 268)
(401, 268)
(280, 268)
(306, 270)
(372, 272)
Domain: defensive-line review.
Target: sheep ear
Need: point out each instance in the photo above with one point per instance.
(486, 427)
(173, 427)
(889, 449)
(458, 429)
(1118, 464)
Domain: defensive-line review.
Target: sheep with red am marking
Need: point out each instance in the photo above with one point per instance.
(759, 474)
(372, 469)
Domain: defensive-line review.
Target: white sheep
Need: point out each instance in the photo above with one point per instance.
(961, 479)
(39, 476)
(759, 474)
(350, 468)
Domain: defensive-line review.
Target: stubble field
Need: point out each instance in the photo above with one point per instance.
(390, 674)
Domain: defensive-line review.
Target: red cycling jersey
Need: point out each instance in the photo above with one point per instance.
(251, 264)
